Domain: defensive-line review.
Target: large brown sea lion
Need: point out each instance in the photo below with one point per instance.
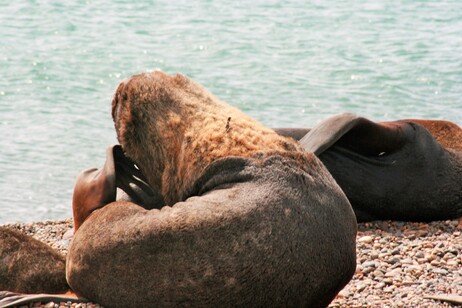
(28, 265)
(408, 170)
(246, 218)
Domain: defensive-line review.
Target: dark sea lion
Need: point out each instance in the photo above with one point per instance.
(249, 219)
(28, 265)
(408, 170)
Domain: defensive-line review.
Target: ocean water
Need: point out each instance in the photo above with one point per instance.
(286, 63)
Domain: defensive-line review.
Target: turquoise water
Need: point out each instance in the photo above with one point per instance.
(286, 63)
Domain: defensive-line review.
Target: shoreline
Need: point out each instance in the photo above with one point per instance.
(398, 263)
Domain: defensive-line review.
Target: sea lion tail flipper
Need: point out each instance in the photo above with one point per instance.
(328, 132)
(133, 183)
(11, 299)
(358, 134)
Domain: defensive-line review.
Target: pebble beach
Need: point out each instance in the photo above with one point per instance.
(399, 264)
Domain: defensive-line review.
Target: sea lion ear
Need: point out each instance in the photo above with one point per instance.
(359, 135)
(132, 184)
(328, 132)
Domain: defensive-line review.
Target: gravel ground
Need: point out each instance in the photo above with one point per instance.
(398, 264)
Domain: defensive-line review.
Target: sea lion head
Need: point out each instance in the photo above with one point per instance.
(173, 128)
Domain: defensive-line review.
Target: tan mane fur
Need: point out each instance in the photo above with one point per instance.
(184, 128)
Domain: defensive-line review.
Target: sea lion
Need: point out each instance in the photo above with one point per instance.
(28, 265)
(406, 170)
(248, 219)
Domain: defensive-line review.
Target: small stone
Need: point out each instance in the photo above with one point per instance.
(429, 257)
(49, 305)
(384, 254)
(388, 281)
(407, 261)
(440, 271)
(452, 263)
(393, 260)
(344, 293)
(360, 287)
(448, 256)
(374, 254)
(367, 270)
(420, 255)
(393, 273)
(366, 239)
(68, 235)
(413, 268)
(369, 264)
(389, 289)
(378, 273)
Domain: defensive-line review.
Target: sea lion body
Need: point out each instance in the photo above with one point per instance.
(28, 265)
(407, 170)
(250, 218)
(252, 236)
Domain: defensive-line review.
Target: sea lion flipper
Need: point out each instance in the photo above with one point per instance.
(326, 133)
(133, 183)
(359, 135)
(401, 170)
(94, 188)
